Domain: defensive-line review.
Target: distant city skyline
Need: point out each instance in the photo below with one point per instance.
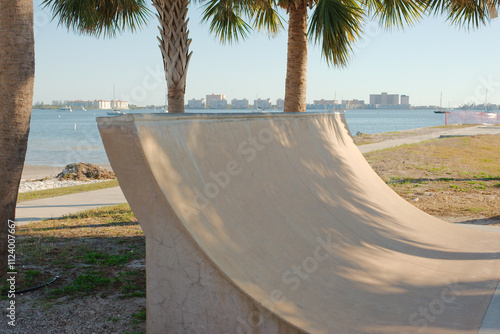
(421, 62)
(383, 100)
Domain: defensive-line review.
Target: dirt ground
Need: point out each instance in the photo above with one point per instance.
(456, 179)
(99, 259)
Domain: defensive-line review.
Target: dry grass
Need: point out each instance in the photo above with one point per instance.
(367, 138)
(457, 179)
(99, 253)
(46, 193)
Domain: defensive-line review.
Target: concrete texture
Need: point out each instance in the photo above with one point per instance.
(56, 207)
(491, 321)
(277, 224)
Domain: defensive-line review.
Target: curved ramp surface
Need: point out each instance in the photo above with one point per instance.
(275, 223)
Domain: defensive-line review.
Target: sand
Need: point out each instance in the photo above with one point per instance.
(37, 177)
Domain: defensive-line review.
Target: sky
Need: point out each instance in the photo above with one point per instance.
(421, 61)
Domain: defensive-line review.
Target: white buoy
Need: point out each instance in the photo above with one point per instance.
(74, 126)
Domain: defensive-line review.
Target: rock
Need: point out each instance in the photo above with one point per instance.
(84, 171)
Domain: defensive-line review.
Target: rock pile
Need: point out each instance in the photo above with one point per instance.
(84, 171)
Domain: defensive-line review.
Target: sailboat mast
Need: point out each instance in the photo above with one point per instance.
(486, 102)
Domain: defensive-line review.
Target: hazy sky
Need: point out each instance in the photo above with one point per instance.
(420, 61)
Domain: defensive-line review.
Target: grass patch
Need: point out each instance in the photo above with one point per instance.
(133, 284)
(366, 138)
(101, 258)
(476, 209)
(120, 213)
(98, 253)
(444, 158)
(30, 275)
(456, 176)
(47, 193)
(82, 285)
(457, 188)
(139, 317)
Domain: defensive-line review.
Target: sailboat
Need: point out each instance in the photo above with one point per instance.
(486, 102)
(441, 110)
(115, 110)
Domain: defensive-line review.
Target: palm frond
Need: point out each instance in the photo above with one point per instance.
(225, 17)
(266, 17)
(397, 13)
(335, 25)
(99, 17)
(467, 14)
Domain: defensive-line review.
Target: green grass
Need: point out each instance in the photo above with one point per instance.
(96, 253)
(457, 188)
(476, 209)
(30, 275)
(139, 317)
(132, 284)
(120, 213)
(102, 258)
(47, 193)
(82, 285)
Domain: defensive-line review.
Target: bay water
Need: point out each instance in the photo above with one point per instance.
(58, 137)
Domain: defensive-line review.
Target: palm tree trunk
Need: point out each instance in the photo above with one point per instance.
(174, 46)
(296, 71)
(17, 73)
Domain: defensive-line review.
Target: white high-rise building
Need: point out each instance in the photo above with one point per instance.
(405, 100)
(384, 99)
(216, 101)
(263, 104)
(239, 104)
(118, 104)
(196, 104)
(280, 103)
(101, 104)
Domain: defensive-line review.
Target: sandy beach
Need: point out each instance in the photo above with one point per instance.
(36, 172)
(36, 177)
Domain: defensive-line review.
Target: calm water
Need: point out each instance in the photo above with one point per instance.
(58, 138)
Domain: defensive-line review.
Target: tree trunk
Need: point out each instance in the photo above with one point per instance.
(17, 73)
(174, 46)
(296, 70)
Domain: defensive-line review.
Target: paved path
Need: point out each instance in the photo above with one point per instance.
(58, 206)
(55, 207)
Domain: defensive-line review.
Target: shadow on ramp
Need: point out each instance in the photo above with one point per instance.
(259, 223)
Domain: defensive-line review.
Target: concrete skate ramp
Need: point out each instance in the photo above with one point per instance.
(275, 223)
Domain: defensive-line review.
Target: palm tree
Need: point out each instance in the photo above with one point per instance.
(174, 45)
(334, 24)
(107, 17)
(17, 74)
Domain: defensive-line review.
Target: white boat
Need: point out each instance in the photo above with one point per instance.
(66, 109)
(441, 110)
(115, 112)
